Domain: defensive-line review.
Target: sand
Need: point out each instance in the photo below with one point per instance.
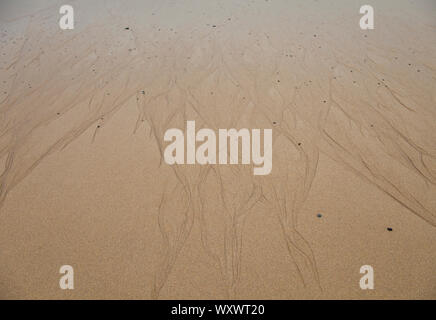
(83, 114)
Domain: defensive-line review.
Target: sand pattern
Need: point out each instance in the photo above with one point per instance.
(365, 99)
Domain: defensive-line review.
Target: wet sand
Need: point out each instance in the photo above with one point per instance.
(83, 114)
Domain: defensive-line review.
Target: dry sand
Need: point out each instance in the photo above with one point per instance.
(354, 130)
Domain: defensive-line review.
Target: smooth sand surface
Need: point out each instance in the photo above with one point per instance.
(83, 114)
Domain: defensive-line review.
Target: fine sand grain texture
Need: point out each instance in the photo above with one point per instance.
(83, 115)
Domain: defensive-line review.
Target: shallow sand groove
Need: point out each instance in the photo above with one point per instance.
(361, 103)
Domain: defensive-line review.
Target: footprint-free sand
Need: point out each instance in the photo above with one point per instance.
(83, 182)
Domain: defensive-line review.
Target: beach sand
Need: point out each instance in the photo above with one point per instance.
(83, 115)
